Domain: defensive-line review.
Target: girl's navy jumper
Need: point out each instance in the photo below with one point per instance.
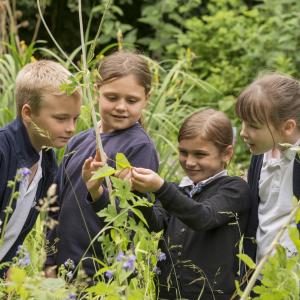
(78, 222)
(16, 152)
(201, 238)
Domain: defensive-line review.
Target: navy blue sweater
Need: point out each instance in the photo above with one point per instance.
(201, 238)
(16, 151)
(253, 180)
(78, 221)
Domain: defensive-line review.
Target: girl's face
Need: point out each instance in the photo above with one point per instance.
(201, 159)
(260, 138)
(121, 103)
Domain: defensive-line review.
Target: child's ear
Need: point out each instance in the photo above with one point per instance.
(26, 113)
(227, 154)
(289, 127)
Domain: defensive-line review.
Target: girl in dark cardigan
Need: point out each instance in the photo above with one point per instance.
(203, 217)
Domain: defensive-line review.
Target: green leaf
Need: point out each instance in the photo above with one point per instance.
(103, 172)
(247, 260)
(122, 162)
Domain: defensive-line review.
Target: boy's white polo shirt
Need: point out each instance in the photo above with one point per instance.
(25, 202)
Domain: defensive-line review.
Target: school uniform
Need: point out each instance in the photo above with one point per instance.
(202, 231)
(254, 176)
(78, 222)
(16, 152)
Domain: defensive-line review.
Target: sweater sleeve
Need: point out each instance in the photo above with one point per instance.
(231, 198)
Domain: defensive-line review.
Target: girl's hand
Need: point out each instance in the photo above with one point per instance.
(125, 174)
(88, 169)
(145, 180)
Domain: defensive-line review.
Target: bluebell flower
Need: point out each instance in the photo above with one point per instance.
(69, 275)
(24, 172)
(157, 270)
(24, 256)
(69, 264)
(162, 256)
(109, 274)
(24, 261)
(120, 256)
(129, 264)
(71, 296)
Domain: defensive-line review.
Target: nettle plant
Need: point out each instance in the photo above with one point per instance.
(130, 251)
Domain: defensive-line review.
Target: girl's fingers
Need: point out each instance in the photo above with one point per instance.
(87, 164)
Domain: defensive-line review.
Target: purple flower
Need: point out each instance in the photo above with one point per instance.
(162, 256)
(120, 256)
(157, 270)
(25, 260)
(24, 256)
(71, 296)
(129, 264)
(69, 275)
(24, 172)
(109, 274)
(69, 264)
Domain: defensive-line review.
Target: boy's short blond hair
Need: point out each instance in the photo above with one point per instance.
(37, 79)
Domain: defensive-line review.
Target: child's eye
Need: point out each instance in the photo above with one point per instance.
(111, 97)
(132, 100)
(60, 118)
(182, 153)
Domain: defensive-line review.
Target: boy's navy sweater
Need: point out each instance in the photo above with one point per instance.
(253, 180)
(78, 222)
(201, 238)
(16, 151)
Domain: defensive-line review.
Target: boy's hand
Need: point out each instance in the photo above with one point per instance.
(88, 169)
(50, 272)
(145, 180)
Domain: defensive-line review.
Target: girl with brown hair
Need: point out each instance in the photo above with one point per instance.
(124, 86)
(270, 110)
(203, 217)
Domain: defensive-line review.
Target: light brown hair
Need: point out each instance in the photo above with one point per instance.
(38, 78)
(212, 125)
(122, 63)
(272, 98)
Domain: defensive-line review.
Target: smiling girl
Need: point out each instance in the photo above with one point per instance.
(270, 110)
(124, 89)
(203, 217)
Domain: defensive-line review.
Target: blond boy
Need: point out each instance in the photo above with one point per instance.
(46, 118)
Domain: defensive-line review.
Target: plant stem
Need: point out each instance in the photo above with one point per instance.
(268, 254)
(87, 79)
(52, 37)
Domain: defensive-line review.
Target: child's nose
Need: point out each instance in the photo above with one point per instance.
(71, 126)
(190, 160)
(243, 132)
(121, 105)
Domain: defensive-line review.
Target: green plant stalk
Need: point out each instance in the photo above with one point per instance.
(12, 197)
(269, 252)
(92, 48)
(52, 37)
(86, 79)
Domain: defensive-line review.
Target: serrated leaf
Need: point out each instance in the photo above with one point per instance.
(140, 215)
(122, 162)
(103, 172)
(247, 260)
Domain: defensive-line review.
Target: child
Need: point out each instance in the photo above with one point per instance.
(46, 117)
(270, 111)
(204, 216)
(124, 90)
